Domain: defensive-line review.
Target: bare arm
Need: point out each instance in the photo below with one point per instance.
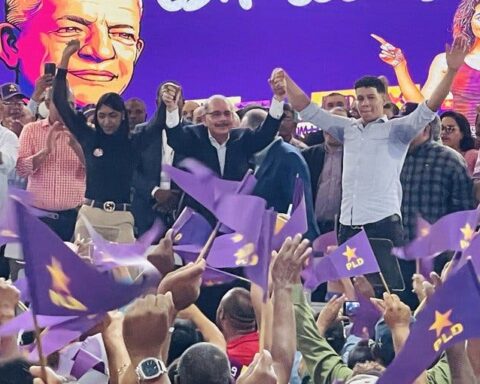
(209, 330)
(473, 350)
(460, 368)
(455, 57)
(262, 309)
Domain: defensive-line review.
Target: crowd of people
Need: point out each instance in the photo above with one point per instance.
(371, 166)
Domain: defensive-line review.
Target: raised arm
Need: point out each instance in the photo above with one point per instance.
(394, 56)
(455, 56)
(285, 273)
(335, 125)
(73, 120)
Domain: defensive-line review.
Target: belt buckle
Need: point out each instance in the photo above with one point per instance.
(109, 206)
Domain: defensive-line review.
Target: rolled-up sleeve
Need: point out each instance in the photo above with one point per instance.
(9, 150)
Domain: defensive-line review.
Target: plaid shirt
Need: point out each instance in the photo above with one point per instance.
(435, 182)
(59, 183)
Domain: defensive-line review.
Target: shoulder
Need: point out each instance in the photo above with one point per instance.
(439, 62)
(6, 134)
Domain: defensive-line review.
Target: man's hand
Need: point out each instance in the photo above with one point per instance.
(329, 314)
(456, 53)
(259, 371)
(289, 261)
(395, 313)
(166, 200)
(9, 297)
(146, 325)
(162, 256)
(184, 283)
(52, 377)
(72, 47)
(389, 54)
(170, 96)
(41, 84)
(278, 83)
(55, 131)
(363, 286)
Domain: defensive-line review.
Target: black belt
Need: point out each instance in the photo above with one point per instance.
(108, 206)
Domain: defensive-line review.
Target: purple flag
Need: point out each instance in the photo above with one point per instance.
(353, 258)
(297, 223)
(308, 274)
(444, 322)
(107, 255)
(258, 273)
(366, 316)
(213, 276)
(473, 253)
(451, 232)
(203, 185)
(233, 250)
(322, 242)
(56, 337)
(191, 228)
(62, 284)
(24, 322)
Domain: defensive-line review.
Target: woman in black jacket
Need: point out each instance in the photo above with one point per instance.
(110, 156)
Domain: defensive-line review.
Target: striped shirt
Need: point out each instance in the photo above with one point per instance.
(59, 182)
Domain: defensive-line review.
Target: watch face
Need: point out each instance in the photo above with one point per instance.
(150, 369)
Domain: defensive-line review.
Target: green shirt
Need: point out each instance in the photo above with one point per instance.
(324, 364)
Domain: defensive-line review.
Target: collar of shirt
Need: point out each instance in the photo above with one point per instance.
(260, 156)
(214, 141)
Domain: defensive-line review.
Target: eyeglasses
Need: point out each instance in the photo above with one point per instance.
(448, 130)
(13, 103)
(217, 114)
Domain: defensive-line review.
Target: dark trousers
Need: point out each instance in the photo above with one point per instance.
(62, 223)
(390, 228)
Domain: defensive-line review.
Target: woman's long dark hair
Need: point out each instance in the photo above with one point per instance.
(462, 21)
(467, 142)
(114, 101)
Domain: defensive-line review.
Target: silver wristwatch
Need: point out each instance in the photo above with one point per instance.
(149, 369)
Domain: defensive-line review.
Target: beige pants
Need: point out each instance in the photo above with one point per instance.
(114, 226)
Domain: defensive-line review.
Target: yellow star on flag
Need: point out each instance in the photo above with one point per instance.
(442, 320)
(237, 238)
(350, 253)
(424, 231)
(59, 279)
(468, 232)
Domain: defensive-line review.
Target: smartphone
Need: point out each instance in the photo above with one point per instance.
(50, 69)
(350, 308)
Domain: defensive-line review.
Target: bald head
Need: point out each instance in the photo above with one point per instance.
(204, 363)
(236, 311)
(253, 118)
(188, 108)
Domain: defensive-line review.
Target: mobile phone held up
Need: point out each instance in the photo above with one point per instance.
(50, 69)
(350, 308)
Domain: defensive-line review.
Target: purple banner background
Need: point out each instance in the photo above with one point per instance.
(222, 48)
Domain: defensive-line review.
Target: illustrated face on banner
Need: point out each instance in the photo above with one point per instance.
(37, 31)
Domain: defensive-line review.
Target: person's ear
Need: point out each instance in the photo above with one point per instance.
(140, 46)
(8, 48)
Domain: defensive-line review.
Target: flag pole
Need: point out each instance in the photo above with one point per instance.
(384, 282)
(417, 266)
(206, 248)
(41, 356)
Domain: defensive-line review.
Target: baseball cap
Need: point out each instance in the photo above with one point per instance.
(9, 90)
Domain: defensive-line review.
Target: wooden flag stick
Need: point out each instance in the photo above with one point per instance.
(206, 248)
(384, 282)
(417, 266)
(43, 360)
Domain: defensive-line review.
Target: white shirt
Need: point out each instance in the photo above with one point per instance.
(173, 119)
(9, 150)
(373, 158)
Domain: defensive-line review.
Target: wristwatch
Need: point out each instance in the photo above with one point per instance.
(149, 369)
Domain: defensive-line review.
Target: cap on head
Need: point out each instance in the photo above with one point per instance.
(9, 90)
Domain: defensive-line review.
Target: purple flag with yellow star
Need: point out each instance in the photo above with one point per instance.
(61, 283)
(452, 232)
(191, 228)
(444, 322)
(473, 253)
(353, 258)
(297, 223)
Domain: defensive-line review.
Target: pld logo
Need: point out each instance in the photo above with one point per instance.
(353, 261)
(445, 329)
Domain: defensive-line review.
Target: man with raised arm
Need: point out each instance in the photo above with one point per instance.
(374, 150)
